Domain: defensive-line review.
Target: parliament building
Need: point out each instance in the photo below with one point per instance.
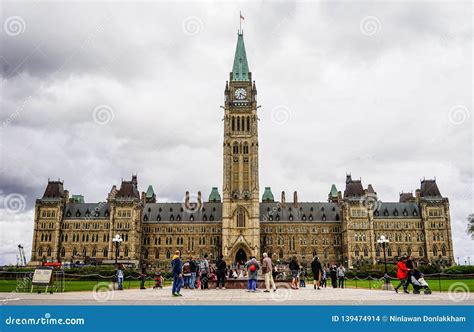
(241, 221)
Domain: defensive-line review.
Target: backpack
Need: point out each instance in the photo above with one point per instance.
(252, 268)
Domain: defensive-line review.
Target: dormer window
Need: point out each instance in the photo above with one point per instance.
(415, 213)
(395, 212)
(68, 213)
(78, 213)
(311, 217)
(191, 218)
(159, 210)
(171, 217)
(376, 213)
(171, 209)
(303, 217)
(106, 214)
(291, 217)
(324, 217)
(385, 212)
(405, 212)
(211, 218)
(158, 218)
(149, 210)
(145, 217)
(311, 209)
(337, 216)
(277, 218)
(322, 209)
(204, 217)
(178, 217)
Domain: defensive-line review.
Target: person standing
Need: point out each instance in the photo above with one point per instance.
(302, 276)
(324, 278)
(221, 267)
(267, 270)
(341, 275)
(402, 275)
(317, 270)
(187, 273)
(177, 269)
(333, 274)
(143, 276)
(204, 268)
(252, 268)
(193, 269)
(120, 277)
(294, 266)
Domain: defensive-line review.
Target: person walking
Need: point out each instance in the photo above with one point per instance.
(302, 276)
(177, 269)
(410, 266)
(341, 275)
(204, 268)
(193, 269)
(221, 267)
(120, 277)
(252, 267)
(333, 274)
(267, 270)
(324, 278)
(294, 266)
(402, 275)
(317, 270)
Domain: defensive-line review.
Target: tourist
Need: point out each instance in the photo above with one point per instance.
(341, 275)
(333, 275)
(317, 270)
(302, 275)
(119, 274)
(324, 278)
(234, 274)
(294, 266)
(221, 267)
(402, 275)
(204, 268)
(187, 273)
(252, 269)
(267, 270)
(193, 268)
(241, 274)
(410, 266)
(177, 269)
(143, 276)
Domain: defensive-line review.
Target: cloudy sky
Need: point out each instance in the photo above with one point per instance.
(91, 93)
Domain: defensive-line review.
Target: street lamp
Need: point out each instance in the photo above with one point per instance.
(383, 241)
(117, 240)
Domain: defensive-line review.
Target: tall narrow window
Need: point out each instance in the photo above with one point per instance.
(241, 218)
(233, 123)
(238, 123)
(248, 123)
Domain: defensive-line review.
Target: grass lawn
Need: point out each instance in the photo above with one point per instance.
(81, 285)
(433, 283)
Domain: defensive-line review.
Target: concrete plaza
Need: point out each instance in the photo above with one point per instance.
(284, 296)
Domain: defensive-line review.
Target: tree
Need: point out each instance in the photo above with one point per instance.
(470, 225)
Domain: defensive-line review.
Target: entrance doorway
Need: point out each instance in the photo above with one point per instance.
(241, 256)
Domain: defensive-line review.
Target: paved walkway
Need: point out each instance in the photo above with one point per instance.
(284, 296)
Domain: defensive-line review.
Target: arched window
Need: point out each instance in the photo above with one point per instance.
(248, 123)
(443, 250)
(168, 254)
(280, 254)
(238, 123)
(125, 252)
(366, 252)
(421, 252)
(63, 252)
(399, 251)
(84, 252)
(49, 251)
(241, 218)
(389, 251)
(105, 252)
(435, 250)
(235, 149)
(233, 123)
(356, 251)
(94, 252)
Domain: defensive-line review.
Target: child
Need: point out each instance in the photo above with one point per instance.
(302, 277)
(158, 280)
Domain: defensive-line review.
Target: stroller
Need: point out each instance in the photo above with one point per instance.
(158, 280)
(419, 283)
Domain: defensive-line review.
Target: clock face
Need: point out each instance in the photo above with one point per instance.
(240, 93)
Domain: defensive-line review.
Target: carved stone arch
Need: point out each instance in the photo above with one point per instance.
(242, 245)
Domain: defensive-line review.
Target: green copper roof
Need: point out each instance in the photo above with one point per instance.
(267, 195)
(150, 192)
(78, 198)
(334, 191)
(214, 196)
(240, 70)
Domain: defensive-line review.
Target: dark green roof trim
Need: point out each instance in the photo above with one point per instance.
(214, 196)
(78, 198)
(267, 195)
(240, 69)
(334, 191)
(150, 192)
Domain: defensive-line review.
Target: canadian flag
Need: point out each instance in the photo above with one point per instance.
(241, 17)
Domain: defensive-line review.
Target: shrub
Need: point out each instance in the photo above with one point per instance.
(464, 269)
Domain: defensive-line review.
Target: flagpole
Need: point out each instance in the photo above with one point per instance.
(240, 22)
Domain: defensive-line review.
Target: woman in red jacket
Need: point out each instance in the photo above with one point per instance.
(402, 275)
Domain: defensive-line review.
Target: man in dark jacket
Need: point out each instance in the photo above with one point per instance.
(294, 267)
(221, 267)
(410, 265)
(177, 269)
(194, 267)
(317, 270)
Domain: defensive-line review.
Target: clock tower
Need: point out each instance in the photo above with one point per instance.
(240, 218)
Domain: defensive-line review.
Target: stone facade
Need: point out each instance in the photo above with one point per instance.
(343, 229)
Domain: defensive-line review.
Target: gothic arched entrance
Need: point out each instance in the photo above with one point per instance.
(241, 256)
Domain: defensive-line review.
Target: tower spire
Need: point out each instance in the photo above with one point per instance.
(240, 69)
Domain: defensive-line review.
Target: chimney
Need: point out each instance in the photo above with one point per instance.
(295, 199)
(283, 199)
(66, 196)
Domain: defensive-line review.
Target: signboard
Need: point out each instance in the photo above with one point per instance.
(43, 277)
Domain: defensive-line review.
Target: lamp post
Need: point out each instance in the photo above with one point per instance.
(383, 241)
(117, 240)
